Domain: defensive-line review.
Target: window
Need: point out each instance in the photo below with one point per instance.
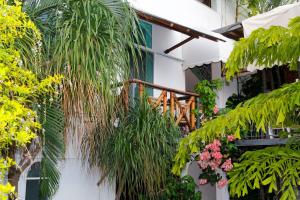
(206, 2)
(33, 183)
(203, 72)
(144, 70)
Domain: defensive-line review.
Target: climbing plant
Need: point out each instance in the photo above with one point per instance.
(208, 92)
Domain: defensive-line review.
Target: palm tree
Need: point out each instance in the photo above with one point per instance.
(90, 42)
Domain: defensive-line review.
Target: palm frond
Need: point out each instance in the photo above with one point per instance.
(53, 146)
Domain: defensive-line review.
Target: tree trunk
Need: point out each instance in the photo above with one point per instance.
(13, 178)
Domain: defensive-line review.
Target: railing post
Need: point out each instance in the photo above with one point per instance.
(141, 90)
(172, 109)
(126, 96)
(198, 120)
(165, 101)
(192, 113)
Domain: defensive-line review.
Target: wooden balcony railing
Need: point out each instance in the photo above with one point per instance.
(179, 104)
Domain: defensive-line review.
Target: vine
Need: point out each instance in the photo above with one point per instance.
(207, 90)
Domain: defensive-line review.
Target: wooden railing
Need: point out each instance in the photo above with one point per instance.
(180, 104)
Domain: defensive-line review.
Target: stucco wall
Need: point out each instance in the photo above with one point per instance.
(191, 13)
(167, 69)
(228, 89)
(76, 182)
(227, 11)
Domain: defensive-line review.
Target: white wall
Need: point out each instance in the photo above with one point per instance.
(76, 182)
(227, 11)
(199, 51)
(168, 70)
(190, 13)
(228, 89)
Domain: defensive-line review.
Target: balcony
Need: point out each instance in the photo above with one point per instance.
(272, 137)
(179, 104)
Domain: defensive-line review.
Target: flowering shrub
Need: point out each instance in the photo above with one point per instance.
(216, 156)
(19, 91)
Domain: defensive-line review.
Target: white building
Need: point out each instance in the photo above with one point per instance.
(167, 22)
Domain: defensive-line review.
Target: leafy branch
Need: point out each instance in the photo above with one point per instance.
(275, 167)
(266, 48)
(273, 108)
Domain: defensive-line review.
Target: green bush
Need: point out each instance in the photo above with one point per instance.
(138, 154)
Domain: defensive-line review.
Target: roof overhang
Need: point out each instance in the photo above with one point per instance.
(279, 16)
(233, 31)
(192, 33)
(176, 27)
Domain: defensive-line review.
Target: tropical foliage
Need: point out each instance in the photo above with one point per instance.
(90, 43)
(260, 6)
(274, 167)
(207, 90)
(20, 91)
(180, 188)
(273, 108)
(51, 117)
(266, 48)
(139, 154)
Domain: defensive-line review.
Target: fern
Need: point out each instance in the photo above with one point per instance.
(273, 108)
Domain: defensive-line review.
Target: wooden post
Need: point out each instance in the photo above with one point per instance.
(165, 101)
(172, 109)
(141, 90)
(192, 113)
(126, 96)
(198, 120)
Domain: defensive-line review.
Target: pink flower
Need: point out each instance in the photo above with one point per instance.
(217, 143)
(213, 164)
(219, 161)
(230, 138)
(202, 164)
(202, 181)
(221, 183)
(217, 155)
(215, 146)
(227, 165)
(216, 109)
(205, 155)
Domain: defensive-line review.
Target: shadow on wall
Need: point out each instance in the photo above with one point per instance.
(208, 191)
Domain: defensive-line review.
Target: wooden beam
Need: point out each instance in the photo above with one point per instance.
(155, 86)
(178, 45)
(174, 26)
